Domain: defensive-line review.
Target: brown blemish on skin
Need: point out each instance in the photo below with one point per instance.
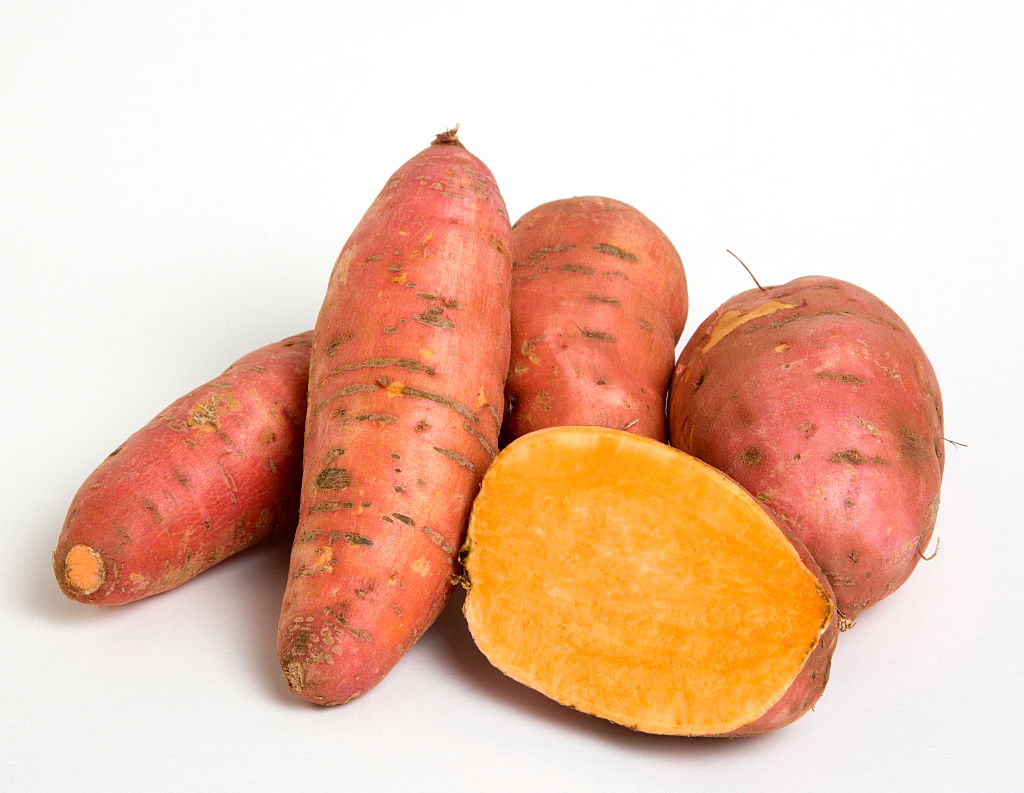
(840, 378)
(333, 479)
(357, 539)
(577, 268)
(732, 319)
(749, 456)
(867, 425)
(206, 415)
(420, 567)
(854, 457)
(911, 446)
(540, 253)
(152, 511)
(529, 349)
(807, 429)
(294, 675)
(438, 539)
(614, 250)
(434, 317)
(380, 363)
(84, 569)
(460, 459)
(545, 401)
(597, 334)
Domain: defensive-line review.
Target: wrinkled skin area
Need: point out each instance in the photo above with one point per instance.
(817, 398)
(598, 304)
(215, 472)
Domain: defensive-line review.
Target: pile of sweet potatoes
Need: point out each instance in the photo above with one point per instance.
(690, 591)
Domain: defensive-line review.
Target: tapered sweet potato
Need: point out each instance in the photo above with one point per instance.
(817, 398)
(626, 579)
(213, 473)
(406, 379)
(598, 303)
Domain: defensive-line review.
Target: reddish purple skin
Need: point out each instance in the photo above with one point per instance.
(215, 472)
(830, 414)
(406, 390)
(598, 303)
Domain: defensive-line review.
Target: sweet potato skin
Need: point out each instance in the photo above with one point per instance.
(598, 303)
(407, 375)
(213, 473)
(817, 398)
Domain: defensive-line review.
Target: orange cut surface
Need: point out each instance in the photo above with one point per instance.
(631, 581)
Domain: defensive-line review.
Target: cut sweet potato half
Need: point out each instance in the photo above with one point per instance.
(631, 581)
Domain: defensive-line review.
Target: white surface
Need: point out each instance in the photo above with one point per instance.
(176, 182)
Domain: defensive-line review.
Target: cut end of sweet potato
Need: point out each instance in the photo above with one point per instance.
(631, 581)
(84, 570)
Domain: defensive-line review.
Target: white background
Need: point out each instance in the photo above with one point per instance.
(176, 180)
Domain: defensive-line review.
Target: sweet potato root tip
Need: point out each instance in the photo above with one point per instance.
(450, 137)
(84, 570)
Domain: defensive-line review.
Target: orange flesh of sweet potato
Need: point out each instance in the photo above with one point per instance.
(628, 580)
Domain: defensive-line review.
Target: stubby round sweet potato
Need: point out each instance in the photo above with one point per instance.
(817, 398)
(631, 581)
(406, 391)
(598, 304)
(212, 474)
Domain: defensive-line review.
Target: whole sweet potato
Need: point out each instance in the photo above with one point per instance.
(598, 303)
(817, 398)
(406, 383)
(213, 473)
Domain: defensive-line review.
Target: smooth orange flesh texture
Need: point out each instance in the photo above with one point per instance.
(84, 569)
(631, 581)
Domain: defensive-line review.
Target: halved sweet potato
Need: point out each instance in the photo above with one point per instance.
(629, 580)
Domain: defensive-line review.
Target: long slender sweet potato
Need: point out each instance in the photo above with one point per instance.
(622, 577)
(213, 473)
(817, 398)
(406, 379)
(598, 303)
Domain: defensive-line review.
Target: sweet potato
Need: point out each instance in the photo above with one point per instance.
(213, 473)
(409, 361)
(631, 581)
(817, 398)
(598, 303)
